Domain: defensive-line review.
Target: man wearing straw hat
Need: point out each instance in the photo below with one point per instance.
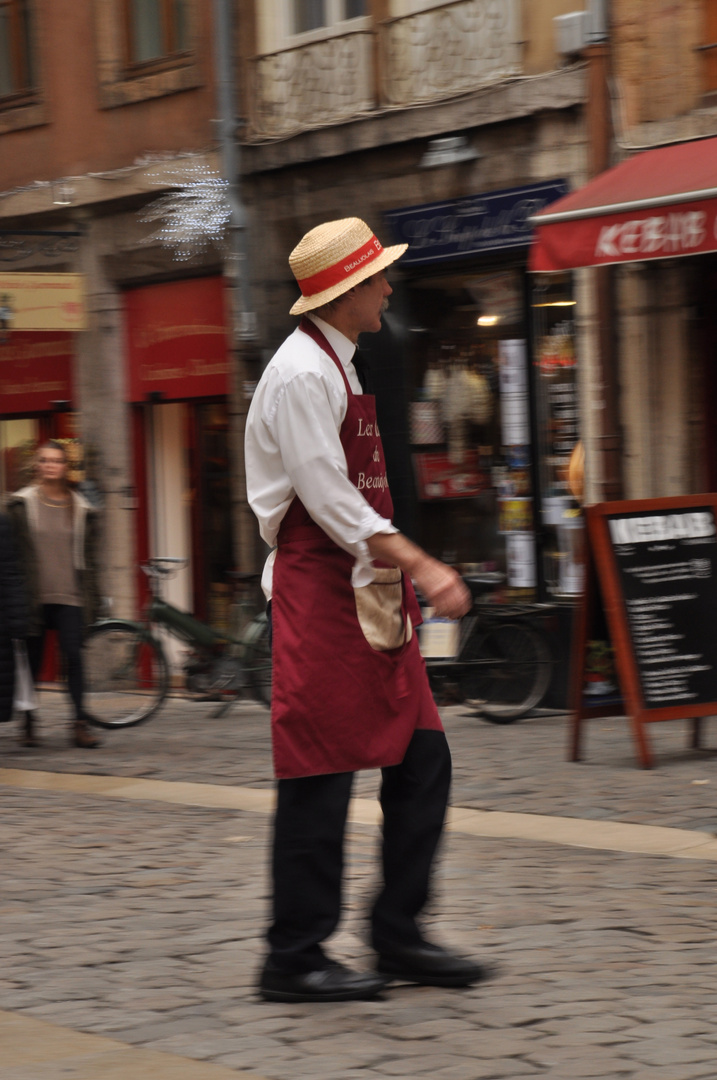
(350, 690)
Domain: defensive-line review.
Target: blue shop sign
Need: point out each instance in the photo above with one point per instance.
(492, 221)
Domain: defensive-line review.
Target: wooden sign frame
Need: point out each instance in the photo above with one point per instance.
(603, 584)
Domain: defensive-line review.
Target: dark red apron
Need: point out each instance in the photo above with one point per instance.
(339, 705)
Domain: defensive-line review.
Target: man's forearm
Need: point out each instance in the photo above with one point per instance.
(440, 584)
(397, 550)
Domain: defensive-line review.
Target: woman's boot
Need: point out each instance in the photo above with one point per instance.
(82, 736)
(28, 732)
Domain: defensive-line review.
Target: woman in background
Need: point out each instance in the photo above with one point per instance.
(56, 531)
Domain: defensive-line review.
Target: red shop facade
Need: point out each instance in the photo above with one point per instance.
(36, 398)
(178, 381)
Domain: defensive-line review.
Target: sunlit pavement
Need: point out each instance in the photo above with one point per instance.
(133, 894)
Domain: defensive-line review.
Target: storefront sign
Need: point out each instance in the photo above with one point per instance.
(657, 204)
(634, 236)
(178, 340)
(43, 302)
(491, 221)
(35, 372)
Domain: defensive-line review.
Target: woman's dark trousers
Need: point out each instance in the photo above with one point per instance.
(67, 621)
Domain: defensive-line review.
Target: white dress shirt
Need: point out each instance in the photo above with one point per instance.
(293, 447)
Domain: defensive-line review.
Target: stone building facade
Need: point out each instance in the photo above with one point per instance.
(664, 87)
(382, 108)
(86, 147)
(405, 113)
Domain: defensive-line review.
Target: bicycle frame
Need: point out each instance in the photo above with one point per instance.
(185, 626)
(501, 658)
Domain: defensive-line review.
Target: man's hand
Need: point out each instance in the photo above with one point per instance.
(443, 588)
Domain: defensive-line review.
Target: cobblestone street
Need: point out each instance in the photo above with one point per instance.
(131, 924)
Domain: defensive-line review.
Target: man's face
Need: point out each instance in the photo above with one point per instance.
(370, 300)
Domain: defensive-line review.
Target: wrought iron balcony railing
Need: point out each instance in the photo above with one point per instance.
(428, 55)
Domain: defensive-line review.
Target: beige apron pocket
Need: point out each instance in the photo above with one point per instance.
(379, 607)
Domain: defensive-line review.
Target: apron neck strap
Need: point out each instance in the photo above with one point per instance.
(310, 328)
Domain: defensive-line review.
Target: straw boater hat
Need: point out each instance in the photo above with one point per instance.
(334, 257)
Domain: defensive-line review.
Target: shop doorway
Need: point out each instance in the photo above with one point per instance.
(184, 508)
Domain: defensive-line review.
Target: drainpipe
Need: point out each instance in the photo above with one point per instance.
(609, 439)
(236, 272)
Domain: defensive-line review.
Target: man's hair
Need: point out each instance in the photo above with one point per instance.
(332, 305)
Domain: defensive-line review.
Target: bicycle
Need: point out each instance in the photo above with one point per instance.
(127, 674)
(502, 664)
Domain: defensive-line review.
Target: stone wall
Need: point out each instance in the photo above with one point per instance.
(657, 69)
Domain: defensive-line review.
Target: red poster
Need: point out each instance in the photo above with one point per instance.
(35, 371)
(440, 478)
(177, 337)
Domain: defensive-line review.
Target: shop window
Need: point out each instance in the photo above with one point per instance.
(146, 49)
(17, 72)
(470, 423)
(492, 440)
(313, 14)
(156, 30)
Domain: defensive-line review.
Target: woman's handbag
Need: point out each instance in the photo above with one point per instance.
(25, 699)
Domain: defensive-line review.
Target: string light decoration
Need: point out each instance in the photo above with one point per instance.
(195, 214)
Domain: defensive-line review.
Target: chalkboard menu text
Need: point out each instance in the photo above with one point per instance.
(651, 582)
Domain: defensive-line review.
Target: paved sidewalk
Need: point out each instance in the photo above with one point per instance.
(519, 767)
(133, 921)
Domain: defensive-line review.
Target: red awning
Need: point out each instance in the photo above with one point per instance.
(657, 205)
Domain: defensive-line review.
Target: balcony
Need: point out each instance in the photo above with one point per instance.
(324, 82)
(426, 56)
(448, 50)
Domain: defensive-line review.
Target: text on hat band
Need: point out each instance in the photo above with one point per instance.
(338, 272)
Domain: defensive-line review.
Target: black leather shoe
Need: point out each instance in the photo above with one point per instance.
(429, 965)
(334, 983)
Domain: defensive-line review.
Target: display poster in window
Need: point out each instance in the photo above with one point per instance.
(515, 413)
(520, 560)
(656, 565)
(440, 477)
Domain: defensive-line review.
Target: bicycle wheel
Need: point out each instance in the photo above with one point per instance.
(126, 675)
(257, 657)
(509, 673)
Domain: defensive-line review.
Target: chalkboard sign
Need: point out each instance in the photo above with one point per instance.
(651, 577)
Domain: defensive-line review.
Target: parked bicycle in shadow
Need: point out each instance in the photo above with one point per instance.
(497, 659)
(128, 674)
(499, 662)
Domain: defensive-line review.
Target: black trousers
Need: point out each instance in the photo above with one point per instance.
(68, 622)
(308, 855)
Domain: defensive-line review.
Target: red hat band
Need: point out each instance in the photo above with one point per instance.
(340, 271)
